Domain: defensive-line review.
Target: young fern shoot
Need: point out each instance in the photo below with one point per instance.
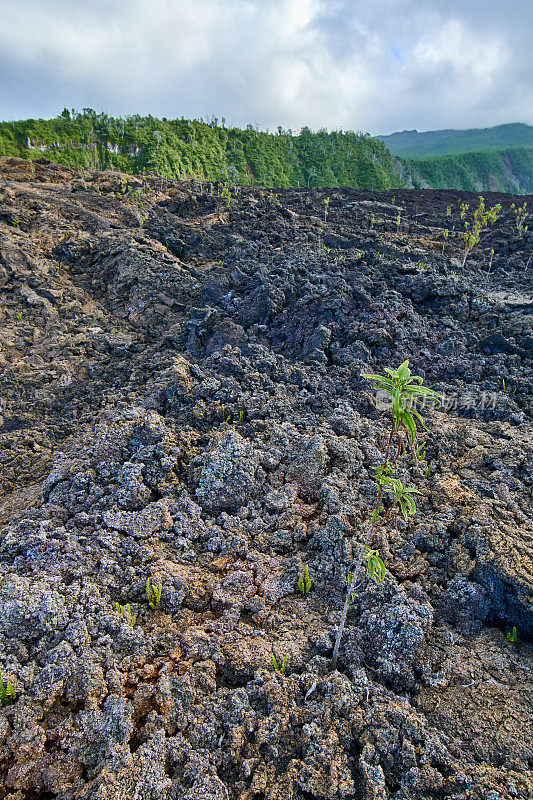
(407, 395)
(304, 581)
(8, 694)
(125, 613)
(279, 666)
(153, 593)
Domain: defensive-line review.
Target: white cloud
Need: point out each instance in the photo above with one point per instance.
(379, 66)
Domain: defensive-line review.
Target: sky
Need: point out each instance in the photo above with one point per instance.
(372, 65)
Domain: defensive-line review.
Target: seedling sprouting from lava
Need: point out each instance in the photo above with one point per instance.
(304, 581)
(407, 395)
(279, 666)
(153, 593)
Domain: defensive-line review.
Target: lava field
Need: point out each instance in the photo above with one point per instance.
(183, 406)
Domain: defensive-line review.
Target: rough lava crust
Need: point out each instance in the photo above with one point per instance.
(181, 399)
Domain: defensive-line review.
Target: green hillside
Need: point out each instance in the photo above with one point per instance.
(426, 144)
(180, 147)
(496, 170)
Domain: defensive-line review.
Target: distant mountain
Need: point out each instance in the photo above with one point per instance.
(492, 170)
(427, 144)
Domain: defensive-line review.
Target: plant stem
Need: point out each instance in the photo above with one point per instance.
(348, 596)
(351, 587)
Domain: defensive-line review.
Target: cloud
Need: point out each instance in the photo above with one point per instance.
(381, 66)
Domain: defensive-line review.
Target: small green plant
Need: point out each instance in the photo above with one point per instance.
(480, 221)
(125, 612)
(227, 416)
(15, 223)
(398, 219)
(153, 593)
(504, 387)
(7, 693)
(372, 221)
(406, 393)
(448, 211)
(279, 667)
(375, 568)
(326, 208)
(19, 316)
(304, 581)
(407, 396)
(403, 495)
(374, 565)
(352, 593)
(420, 452)
(491, 258)
(225, 192)
(520, 215)
(512, 636)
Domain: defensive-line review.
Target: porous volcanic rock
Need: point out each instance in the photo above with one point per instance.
(183, 403)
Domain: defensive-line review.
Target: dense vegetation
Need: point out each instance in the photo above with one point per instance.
(181, 147)
(210, 151)
(502, 171)
(426, 144)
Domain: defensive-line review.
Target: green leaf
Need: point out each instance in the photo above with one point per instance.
(396, 396)
(417, 416)
(382, 378)
(411, 503)
(409, 426)
(403, 370)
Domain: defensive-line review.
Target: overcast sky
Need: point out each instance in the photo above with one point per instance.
(373, 65)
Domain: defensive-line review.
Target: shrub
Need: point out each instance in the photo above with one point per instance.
(407, 396)
(520, 215)
(480, 221)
